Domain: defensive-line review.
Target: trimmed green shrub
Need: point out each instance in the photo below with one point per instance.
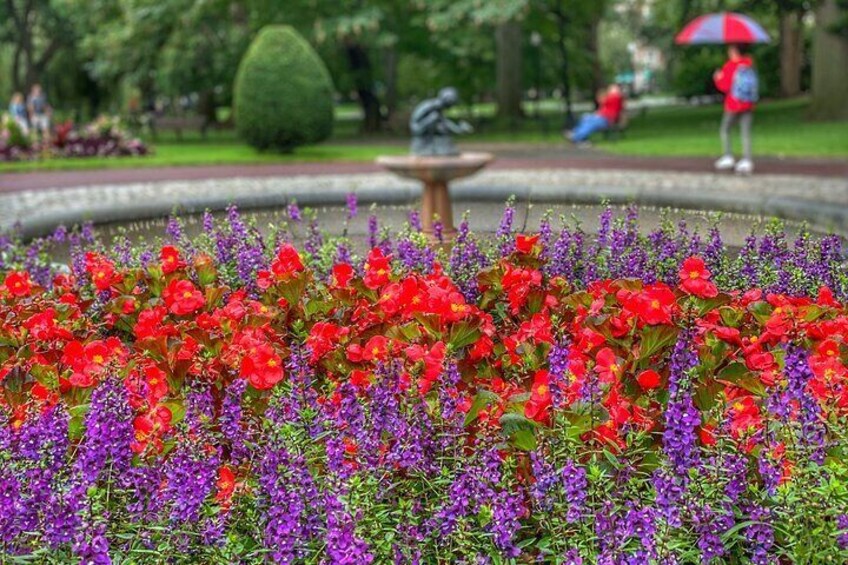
(283, 92)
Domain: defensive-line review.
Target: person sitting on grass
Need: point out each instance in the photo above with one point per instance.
(610, 107)
(738, 81)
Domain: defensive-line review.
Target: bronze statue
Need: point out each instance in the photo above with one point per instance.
(432, 130)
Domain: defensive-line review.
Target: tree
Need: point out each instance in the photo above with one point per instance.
(508, 39)
(502, 16)
(37, 30)
(830, 61)
(790, 23)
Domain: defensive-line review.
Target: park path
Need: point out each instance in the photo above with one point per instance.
(516, 157)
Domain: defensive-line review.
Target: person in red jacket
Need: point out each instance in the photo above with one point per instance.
(610, 107)
(737, 80)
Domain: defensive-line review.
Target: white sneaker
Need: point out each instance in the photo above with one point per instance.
(725, 163)
(744, 167)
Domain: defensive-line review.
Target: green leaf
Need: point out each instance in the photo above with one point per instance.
(524, 440)
(655, 338)
(738, 374)
(705, 305)
(481, 400)
(463, 334)
(707, 392)
(579, 423)
(761, 311)
(46, 376)
(177, 409)
(520, 430)
(292, 289)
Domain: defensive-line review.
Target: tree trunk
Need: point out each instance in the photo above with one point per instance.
(592, 46)
(508, 69)
(830, 59)
(390, 64)
(360, 67)
(791, 54)
(565, 71)
(16, 70)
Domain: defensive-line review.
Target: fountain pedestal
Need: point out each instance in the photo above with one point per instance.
(435, 172)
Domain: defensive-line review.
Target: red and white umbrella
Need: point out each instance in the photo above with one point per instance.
(722, 28)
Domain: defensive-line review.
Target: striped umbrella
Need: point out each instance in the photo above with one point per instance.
(722, 28)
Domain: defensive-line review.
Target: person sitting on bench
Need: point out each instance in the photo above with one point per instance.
(610, 108)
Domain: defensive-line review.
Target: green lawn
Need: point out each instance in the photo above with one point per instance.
(779, 130)
(211, 152)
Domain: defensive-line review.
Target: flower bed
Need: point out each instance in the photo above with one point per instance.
(555, 397)
(105, 137)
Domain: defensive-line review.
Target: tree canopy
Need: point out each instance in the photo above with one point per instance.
(385, 54)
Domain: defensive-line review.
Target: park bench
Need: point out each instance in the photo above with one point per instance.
(178, 123)
(619, 128)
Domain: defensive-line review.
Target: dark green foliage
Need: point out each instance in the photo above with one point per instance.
(283, 92)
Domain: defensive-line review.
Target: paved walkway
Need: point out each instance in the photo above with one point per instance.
(509, 158)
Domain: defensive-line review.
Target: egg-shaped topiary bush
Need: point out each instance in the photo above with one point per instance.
(283, 92)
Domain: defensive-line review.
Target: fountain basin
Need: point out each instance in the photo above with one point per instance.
(435, 172)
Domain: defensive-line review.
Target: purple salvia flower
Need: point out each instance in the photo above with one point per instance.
(351, 205)
(842, 527)
(294, 212)
(681, 417)
(506, 242)
(106, 445)
(558, 369)
(575, 483)
(373, 231)
(232, 426)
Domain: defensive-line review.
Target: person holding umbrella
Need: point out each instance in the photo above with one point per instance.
(737, 79)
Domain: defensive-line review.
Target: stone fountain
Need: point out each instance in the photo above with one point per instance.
(434, 159)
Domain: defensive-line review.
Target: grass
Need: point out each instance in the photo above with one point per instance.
(779, 130)
(211, 152)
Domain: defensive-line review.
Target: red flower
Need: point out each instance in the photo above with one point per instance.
(649, 379)
(323, 338)
(825, 298)
(518, 283)
(360, 378)
(342, 273)
(745, 416)
(18, 283)
(654, 305)
(226, 485)
(377, 349)
(182, 297)
(828, 348)
(262, 367)
(170, 257)
(607, 366)
(287, 263)
(707, 433)
(102, 271)
(378, 269)
(537, 408)
(157, 384)
(525, 243)
(695, 278)
(149, 323)
(150, 427)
